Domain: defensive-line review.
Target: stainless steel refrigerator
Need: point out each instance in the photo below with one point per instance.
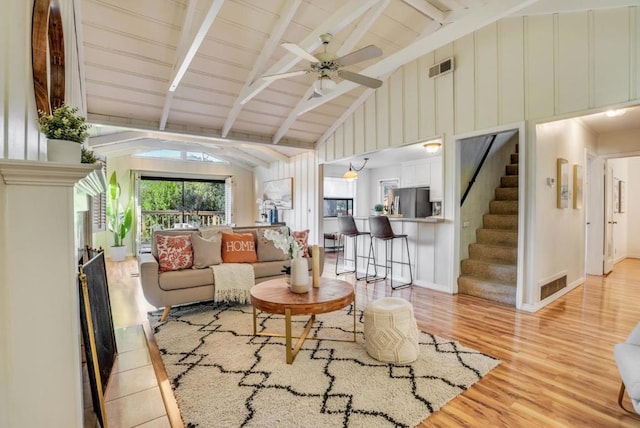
(413, 202)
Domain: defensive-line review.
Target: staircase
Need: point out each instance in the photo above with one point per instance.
(490, 272)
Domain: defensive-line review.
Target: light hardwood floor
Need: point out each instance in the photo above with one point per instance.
(557, 366)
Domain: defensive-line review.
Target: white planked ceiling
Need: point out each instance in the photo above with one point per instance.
(133, 50)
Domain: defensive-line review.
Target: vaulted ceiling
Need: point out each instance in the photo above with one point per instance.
(187, 73)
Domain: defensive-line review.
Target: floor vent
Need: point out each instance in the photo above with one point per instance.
(553, 287)
(441, 68)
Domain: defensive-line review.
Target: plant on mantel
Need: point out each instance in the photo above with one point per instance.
(64, 124)
(119, 219)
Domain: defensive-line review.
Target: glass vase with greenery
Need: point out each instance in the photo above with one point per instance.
(64, 124)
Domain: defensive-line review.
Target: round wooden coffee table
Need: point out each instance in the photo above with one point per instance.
(275, 297)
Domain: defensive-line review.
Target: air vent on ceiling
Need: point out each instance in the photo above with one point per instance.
(441, 68)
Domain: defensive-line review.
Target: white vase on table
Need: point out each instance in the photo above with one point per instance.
(299, 275)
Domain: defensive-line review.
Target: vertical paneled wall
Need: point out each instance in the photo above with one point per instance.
(20, 137)
(306, 208)
(516, 69)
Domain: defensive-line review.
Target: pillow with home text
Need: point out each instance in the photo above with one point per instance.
(239, 248)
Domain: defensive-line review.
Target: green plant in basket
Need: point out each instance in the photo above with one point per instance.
(120, 219)
(64, 124)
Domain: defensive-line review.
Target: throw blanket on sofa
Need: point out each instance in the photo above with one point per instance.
(232, 282)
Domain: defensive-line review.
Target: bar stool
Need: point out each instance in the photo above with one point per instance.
(380, 228)
(347, 229)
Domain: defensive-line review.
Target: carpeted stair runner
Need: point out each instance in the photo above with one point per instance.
(490, 271)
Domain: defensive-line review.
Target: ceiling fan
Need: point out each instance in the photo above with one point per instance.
(327, 64)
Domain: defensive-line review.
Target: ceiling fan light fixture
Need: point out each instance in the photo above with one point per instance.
(432, 146)
(324, 85)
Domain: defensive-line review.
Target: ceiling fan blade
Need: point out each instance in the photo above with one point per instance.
(297, 50)
(363, 54)
(360, 79)
(283, 75)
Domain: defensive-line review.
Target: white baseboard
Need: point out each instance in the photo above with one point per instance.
(537, 306)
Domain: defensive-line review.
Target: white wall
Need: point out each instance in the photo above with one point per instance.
(245, 209)
(518, 69)
(21, 140)
(559, 233)
(633, 207)
(307, 193)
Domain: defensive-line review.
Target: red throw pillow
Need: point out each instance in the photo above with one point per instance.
(301, 238)
(174, 252)
(238, 248)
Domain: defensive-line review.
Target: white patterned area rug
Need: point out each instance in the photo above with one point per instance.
(223, 376)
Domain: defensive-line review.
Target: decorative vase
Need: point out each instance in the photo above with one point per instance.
(299, 275)
(63, 151)
(118, 254)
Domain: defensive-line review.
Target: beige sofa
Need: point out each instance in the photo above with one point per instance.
(166, 289)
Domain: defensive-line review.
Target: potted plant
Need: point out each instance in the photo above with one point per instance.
(65, 131)
(378, 209)
(119, 220)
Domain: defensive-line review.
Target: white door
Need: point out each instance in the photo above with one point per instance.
(608, 217)
(594, 213)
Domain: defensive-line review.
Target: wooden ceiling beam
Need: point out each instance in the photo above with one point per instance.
(286, 15)
(427, 9)
(187, 48)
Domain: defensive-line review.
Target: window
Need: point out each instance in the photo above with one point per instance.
(335, 207)
(175, 202)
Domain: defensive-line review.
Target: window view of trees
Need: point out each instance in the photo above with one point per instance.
(182, 195)
(169, 203)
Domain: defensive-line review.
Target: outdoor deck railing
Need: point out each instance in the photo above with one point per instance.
(170, 219)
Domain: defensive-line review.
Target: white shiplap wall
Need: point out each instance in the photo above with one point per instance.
(518, 69)
(20, 137)
(307, 210)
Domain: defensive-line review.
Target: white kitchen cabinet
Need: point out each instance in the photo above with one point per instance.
(435, 189)
(425, 172)
(415, 173)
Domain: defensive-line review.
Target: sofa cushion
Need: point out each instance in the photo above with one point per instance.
(266, 249)
(239, 248)
(168, 232)
(209, 231)
(302, 237)
(174, 252)
(177, 280)
(266, 269)
(206, 252)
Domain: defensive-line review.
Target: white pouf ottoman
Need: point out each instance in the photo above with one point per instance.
(390, 330)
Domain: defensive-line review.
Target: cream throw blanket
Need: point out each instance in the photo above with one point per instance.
(232, 282)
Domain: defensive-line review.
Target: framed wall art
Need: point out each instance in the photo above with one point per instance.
(563, 183)
(577, 186)
(616, 195)
(279, 193)
(622, 203)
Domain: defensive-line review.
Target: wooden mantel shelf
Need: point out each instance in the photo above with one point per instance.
(21, 172)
